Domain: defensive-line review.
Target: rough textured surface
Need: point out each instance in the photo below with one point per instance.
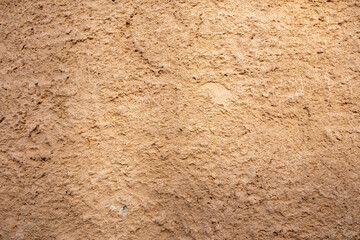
(183, 119)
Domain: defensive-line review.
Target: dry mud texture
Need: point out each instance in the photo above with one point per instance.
(183, 119)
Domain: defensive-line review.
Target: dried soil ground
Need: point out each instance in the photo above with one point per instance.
(186, 119)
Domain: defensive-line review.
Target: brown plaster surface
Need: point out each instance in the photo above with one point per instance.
(179, 119)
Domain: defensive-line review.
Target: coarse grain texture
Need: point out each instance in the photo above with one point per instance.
(180, 119)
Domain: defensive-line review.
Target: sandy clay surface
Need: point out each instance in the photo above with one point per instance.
(179, 119)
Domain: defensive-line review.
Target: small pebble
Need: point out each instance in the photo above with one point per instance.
(124, 211)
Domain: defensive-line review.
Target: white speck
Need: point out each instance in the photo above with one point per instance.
(112, 207)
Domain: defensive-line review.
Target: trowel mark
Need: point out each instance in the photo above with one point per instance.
(218, 93)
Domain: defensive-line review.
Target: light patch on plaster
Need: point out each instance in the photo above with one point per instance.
(218, 93)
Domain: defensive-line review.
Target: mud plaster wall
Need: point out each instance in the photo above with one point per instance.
(185, 119)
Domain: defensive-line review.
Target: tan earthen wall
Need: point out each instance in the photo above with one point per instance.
(179, 119)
